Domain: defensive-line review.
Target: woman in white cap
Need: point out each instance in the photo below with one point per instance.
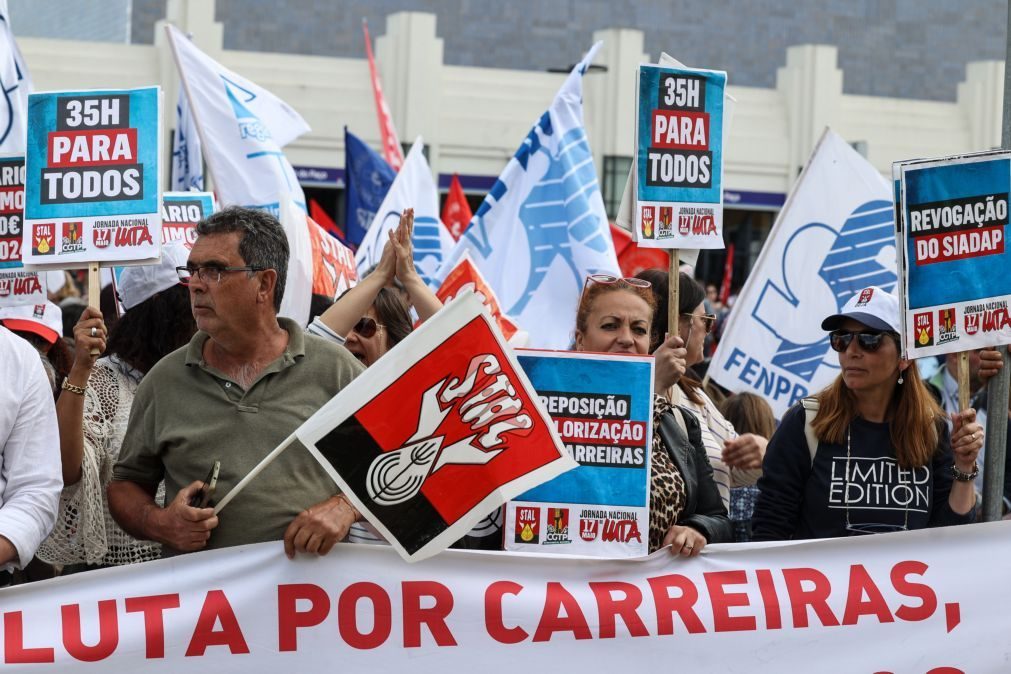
(42, 326)
(872, 452)
(94, 408)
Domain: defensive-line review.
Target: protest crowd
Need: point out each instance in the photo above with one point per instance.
(231, 373)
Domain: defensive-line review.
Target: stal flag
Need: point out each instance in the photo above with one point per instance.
(323, 219)
(17, 84)
(412, 188)
(465, 277)
(456, 211)
(542, 229)
(242, 128)
(391, 143)
(631, 258)
(833, 237)
(468, 433)
(368, 179)
(333, 263)
(728, 275)
(187, 157)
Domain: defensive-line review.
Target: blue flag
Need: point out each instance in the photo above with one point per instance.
(368, 178)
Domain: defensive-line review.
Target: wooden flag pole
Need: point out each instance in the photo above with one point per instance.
(94, 292)
(963, 380)
(673, 292)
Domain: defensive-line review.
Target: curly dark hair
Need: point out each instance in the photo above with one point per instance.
(153, 329)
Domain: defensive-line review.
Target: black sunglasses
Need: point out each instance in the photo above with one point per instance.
(869, 340)
(366, 327)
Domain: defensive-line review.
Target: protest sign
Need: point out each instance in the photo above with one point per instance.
(180, 213)
(468, 433)
(17, 286)
(955, 287)
(833, 237)
(334, 269)
(466, 277)
(679, 157)
(602, 407)
(92, 178)
(897, 603)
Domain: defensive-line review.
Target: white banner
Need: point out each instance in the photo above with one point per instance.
(924, 602)
(833, 237)
(242, 127)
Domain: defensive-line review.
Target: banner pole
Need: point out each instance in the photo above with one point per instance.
(94, 292)
(264, 462)
(963, 380)
(674, 291)
(997, 389)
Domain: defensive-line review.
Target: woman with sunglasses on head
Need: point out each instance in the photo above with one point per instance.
(871, 453)
(686, 512)
(736, 459)
(371, 318)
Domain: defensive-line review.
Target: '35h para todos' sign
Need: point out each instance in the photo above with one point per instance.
(679, 157)
(92, 178)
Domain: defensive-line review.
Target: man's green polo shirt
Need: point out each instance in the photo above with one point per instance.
(186, 415)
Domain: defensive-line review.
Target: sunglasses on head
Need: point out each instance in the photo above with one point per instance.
(867, 340)
(366, 327)
(608, 279)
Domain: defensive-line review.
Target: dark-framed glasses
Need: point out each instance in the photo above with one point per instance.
(209, 273)
(867, 340)
(366, 327)
(609, 278)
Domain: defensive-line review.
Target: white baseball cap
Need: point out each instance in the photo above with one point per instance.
(142, 282)
(44, 320)
(871, 306)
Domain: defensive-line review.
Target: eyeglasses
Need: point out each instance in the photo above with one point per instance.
(709, 321)
(869, 341)
(366, 327)
(608, 278)
(210, 273)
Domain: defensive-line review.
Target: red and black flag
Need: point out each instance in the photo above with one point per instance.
(437, 434)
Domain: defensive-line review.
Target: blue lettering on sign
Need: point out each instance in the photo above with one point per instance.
(861, 254)
(764, 380)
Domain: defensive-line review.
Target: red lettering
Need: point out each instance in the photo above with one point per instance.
(289, 618)
(217, 609)
(434, 617)
(683, 605)
(347, 620)
(722, 601)
(816, 597)
(928, 600)
(773, 615)
(609, 608)
(153, 608)
(108, 632)
(133, 236)
(493, 613)
(15, 651)
(552, 619)
(862, 584)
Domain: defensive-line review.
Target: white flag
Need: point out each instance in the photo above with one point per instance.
(298, 283)
(17, 84)
(242, 128)
(834, 236)
(412, 188)
(542, 229)
(187, 158)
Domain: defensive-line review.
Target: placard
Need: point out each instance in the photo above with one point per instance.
(180, 213)
(955, 287)
(679, 157)
(92, 178)
(602, 407)
(17, 286)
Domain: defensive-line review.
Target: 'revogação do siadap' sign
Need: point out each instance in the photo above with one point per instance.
(92, 178)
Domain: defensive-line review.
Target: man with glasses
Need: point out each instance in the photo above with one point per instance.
(246, 380)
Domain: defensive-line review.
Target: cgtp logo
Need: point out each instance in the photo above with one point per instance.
(486, 403)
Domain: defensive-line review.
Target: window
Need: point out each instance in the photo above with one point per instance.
(615, 174)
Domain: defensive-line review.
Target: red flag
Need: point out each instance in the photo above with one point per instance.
(631, 258)
(392, 152)
(456, 213)
(320, 216)
(333, 263)
(728, 275)
(465, 276)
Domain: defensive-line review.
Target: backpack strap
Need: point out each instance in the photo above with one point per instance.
(810, 410)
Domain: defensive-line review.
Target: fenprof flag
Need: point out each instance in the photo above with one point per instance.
(440, 433)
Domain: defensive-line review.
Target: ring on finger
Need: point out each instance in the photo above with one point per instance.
(94, 331)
